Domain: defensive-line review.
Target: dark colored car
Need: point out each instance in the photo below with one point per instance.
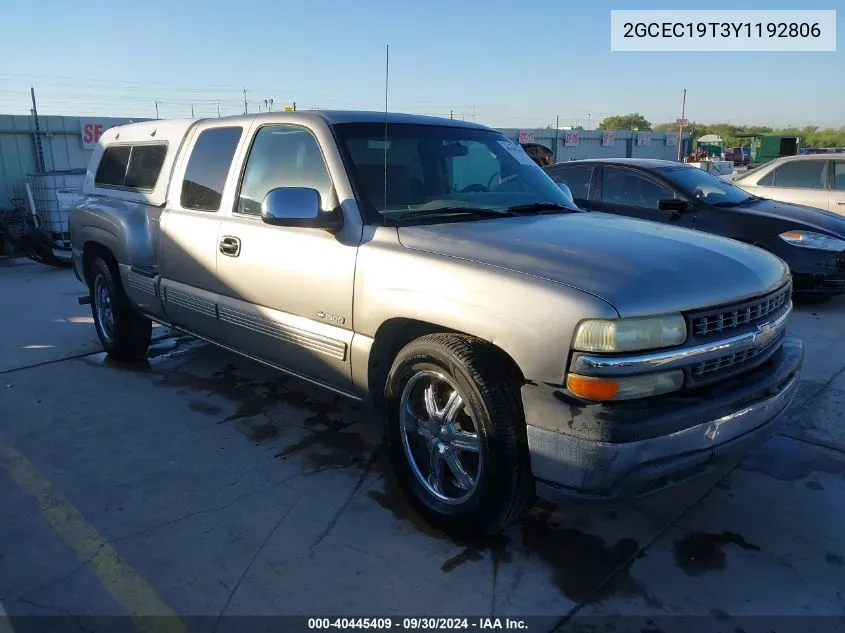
(739, 155)
(810, 240)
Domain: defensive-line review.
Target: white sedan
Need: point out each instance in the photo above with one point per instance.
(814, 180)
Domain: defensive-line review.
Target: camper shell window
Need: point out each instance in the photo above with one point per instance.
(133, 167)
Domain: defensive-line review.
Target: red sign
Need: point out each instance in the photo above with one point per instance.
(643, 138)
(92, 129)
(526, 137)
(571, 138)
(91, 132)
(608, 138)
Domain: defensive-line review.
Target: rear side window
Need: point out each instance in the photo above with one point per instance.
(802, 174)
(208, 166)
(131, 166)
(112, 169)
(577, 179)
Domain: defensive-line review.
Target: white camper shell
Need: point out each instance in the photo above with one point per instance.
(145, 152)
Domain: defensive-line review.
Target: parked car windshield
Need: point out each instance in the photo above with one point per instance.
(425, 171)
(706, 187)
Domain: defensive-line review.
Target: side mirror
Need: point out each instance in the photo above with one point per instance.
(566, 191)
(297, 206)
(673, 204)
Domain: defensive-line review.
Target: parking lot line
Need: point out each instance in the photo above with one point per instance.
(130, 591)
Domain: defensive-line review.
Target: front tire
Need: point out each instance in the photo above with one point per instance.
(456, 434)
(123, 332)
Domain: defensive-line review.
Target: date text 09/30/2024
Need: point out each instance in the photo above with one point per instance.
(417, 624)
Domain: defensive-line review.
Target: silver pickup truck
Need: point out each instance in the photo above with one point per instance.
(516, 345)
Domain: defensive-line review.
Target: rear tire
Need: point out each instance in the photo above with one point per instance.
(123, 332)
(456, 436)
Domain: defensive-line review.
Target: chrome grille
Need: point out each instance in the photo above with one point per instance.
(727, 318)
(730, 360)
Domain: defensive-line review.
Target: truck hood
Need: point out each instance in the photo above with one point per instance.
(639, 267)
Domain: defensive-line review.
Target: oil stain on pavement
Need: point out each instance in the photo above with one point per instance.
(700, 552)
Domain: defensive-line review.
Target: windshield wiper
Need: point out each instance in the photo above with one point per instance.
(737, 204)
(440, 211)
(541, 206)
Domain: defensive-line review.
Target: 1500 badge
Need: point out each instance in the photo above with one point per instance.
(334, 318)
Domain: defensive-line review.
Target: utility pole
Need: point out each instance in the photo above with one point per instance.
(588, 120)
(451, 114)
(156, 108)
(192, 110)
(245, 107)
(294, 106)
(218, 108)
(557, 136)
(39, 151)
(681, 124)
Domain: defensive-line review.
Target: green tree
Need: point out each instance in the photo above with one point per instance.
(633, 121)
(738, 135)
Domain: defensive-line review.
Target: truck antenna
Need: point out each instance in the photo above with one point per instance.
(386, 76)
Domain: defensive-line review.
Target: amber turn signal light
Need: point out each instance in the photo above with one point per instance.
(592, 388)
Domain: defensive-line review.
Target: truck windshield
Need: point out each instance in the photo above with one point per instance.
(420, 171)
(706, 187)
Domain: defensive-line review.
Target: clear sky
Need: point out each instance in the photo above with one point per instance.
(504, 63)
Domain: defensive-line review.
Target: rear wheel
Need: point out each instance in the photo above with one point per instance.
(456, 434)
(123, 332)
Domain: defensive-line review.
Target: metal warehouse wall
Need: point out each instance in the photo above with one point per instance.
(589, 144)
(61, 144)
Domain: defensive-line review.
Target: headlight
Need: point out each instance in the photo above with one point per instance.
(628, 335)
(625, 388)
(808, 239)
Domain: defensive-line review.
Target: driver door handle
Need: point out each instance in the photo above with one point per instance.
(230, 246)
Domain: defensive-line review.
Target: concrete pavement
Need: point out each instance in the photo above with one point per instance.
(204, 484)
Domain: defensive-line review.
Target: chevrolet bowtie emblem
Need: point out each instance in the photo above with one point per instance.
(765, 334)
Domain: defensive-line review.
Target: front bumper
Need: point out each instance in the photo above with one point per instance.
(816, 272)
(608, 451)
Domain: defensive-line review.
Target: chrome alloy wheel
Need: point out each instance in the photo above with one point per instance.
(440, 437)
(102, 301)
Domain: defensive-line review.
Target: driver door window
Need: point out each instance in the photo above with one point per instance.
(801, 174)
(282, 156)
(799, 182)
(627, 188)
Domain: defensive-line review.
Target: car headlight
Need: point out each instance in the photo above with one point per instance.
(624, 388)
(628, 335)
(808, 239)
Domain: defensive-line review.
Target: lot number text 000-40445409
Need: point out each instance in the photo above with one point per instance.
(418, 624)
